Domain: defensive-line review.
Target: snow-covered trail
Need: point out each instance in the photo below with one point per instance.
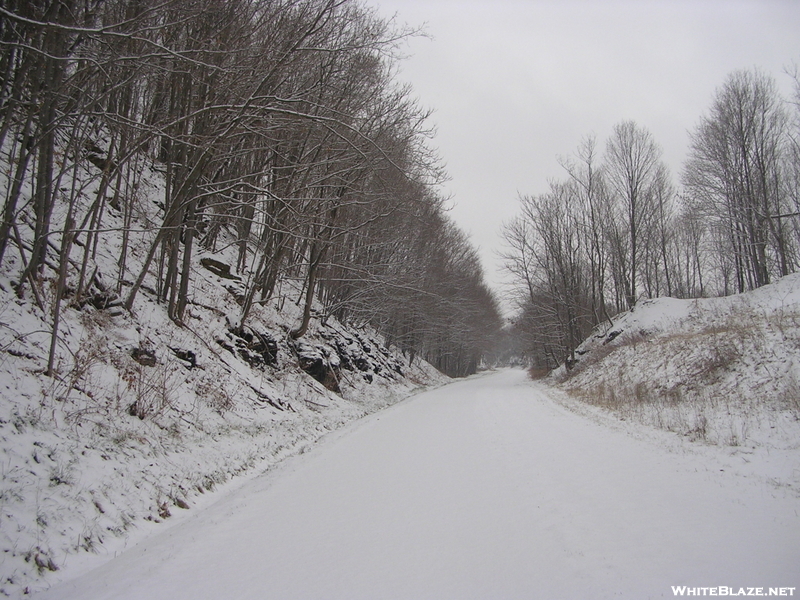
(483, 489)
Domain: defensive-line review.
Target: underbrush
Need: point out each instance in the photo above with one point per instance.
(700, 416)
(538, 372)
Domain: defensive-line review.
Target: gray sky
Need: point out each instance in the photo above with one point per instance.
(515, 83)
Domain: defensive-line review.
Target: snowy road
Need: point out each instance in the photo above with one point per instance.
(481, 489)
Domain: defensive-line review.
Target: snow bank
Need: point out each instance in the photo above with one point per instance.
(144, 418)
(719, 370)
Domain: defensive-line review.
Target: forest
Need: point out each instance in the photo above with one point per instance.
(278, 127)
(616, 228)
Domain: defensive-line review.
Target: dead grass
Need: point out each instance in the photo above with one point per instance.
(215, 395)
(716, 383)
(695, 415)
(538, 372)
(600, 352)
(789, 397)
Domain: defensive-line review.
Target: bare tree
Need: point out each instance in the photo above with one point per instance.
(736, 171)
(595, 211)
(548, 256)
(632, 165)
(277, 124)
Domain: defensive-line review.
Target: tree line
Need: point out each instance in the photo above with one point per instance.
(616, 228)
(277, 124)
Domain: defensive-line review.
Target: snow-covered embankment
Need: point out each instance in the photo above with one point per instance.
(722, 371)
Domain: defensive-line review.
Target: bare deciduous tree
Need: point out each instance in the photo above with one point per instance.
(736, 172)
(632, 165)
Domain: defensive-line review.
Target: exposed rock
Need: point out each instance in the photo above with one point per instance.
(321, 362)
(187, 356)
(146, 358)
(98, 157)
(220, 269)
(257, 349)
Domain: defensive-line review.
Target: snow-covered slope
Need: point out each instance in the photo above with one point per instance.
(152, 416)
(144, 419)
(721, 370)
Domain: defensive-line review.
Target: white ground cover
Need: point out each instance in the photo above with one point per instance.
(486, 488)
(81, 478)
(111, 449)
(719, 370)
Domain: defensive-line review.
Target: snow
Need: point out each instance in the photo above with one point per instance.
(723, 371)
(82, 478)
(486, 488)
(113, 448)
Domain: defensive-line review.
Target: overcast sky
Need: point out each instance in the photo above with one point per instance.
(517, 83)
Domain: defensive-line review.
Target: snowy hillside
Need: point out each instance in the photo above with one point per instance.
(721, 370)
(145, 418)
(152, 416)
